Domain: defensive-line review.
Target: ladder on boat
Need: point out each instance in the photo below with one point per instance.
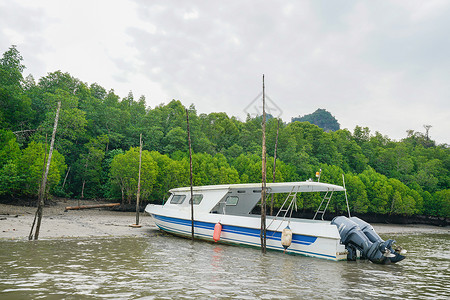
(320, 210)
(292, 200)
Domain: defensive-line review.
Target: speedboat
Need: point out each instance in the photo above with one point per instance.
(223, 213)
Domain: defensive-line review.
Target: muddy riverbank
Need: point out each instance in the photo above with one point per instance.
(16, 221)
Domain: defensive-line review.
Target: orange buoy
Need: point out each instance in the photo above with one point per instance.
(217, 231)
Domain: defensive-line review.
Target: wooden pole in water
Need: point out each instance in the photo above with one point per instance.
(139, 180)
(190, 173)
(44, 181)
(274, 166)
(30, 236)
(263, 190)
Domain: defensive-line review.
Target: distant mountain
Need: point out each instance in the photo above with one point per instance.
(321, 118)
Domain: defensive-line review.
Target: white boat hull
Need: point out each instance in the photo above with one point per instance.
(310, 238)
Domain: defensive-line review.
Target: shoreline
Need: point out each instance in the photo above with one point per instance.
(16, 221)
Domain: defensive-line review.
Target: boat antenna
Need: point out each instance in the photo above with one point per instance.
(345, 192)
(263, 190)
(190, 173)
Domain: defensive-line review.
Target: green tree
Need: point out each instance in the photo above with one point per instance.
(357, 194)
(30, 166)
(171, 174)
(124, 173)
(9, 149)
(9, 156)
(10, 179)
(91, 162)
(442, 202)
(377, 191)
(176, 139)
(71, 125)
(15, 105)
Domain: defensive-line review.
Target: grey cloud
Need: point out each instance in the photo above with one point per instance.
(351, 57)
(29, 24)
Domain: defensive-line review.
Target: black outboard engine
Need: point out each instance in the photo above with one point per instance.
(371, 234)
(359, 235)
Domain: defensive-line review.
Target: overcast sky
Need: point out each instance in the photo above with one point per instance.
(380, 64)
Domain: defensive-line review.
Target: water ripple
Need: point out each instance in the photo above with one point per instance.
(166, 267)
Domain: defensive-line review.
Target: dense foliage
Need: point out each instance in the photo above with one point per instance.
(97, 136)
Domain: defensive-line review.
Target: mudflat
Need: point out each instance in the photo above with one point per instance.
(16, 221)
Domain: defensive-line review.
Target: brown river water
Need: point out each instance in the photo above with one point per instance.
(166, 267)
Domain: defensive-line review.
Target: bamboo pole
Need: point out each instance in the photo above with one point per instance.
(263, 171)
(274, 166)
(139, 180)
(44, 182)
(190, 172)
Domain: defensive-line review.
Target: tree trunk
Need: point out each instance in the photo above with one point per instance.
(82, 189)
(44, 182)
(65, 178)
(84, 177)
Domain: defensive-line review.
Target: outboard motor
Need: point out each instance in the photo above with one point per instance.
(370, 245)
(371, 234)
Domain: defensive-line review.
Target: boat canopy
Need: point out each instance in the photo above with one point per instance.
(272, 188)
(239, 199)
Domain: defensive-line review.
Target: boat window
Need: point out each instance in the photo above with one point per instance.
(177, 199)
(197, 199)
(241, 192)
(256, 191)
(232, 200)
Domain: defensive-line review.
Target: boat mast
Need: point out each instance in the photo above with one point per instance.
(263, 190)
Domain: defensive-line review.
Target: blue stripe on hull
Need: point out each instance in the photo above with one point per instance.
(244, 231)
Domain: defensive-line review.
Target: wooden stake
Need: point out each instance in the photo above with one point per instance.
(139, 180)
(274, 166)
(44, 182)
(30, 236)
(263, 190)
(190, 172)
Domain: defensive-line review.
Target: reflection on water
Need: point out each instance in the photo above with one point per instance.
(166, 267)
